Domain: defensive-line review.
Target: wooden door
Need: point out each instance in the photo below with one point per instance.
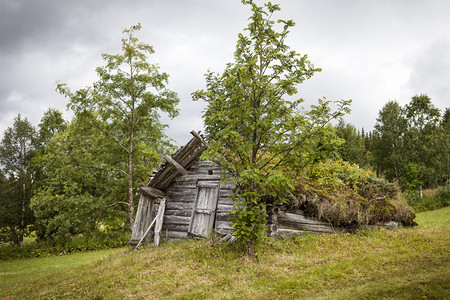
(204, 212)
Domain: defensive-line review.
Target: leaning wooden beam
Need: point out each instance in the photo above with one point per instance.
(151, 192)
(145, 234)
(159, 220)
(177, 166)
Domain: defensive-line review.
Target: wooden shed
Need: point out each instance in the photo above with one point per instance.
(184, 199)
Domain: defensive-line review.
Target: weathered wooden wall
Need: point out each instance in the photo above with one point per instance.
(181, 198)
(296, 222)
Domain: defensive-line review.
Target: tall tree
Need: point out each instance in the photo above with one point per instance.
(16, 151)
(424, 139)
(410, 143)
(124, 105)
(255, 126)
(388, 146)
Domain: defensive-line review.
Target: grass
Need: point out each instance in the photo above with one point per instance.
(409, 263)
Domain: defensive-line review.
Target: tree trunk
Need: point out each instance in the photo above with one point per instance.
(22, 216)
(130, 184)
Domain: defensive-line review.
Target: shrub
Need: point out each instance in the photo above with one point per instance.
(80, 243)
(439, 199)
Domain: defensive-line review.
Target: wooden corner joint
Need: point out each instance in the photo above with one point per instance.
(199, 137)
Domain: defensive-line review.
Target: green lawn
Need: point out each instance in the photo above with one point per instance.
(409, 263)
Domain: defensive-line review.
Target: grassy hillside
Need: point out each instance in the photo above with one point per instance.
(408, 263)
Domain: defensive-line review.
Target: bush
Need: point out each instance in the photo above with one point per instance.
(75, 244)
(429, 202)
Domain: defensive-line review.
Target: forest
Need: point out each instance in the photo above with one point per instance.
(67, 180)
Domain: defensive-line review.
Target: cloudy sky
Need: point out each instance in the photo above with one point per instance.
(370, 51)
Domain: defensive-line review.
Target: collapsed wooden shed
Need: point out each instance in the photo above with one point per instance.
(186, 196)
(184, 199)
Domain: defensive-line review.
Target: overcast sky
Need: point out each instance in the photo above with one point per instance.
(370, 51)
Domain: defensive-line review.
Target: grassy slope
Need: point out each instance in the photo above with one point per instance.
(408, 263)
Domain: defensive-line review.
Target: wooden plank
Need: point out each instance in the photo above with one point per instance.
(208, 184)
(137, 229)
(204, 164)
(198, 177)
(151, 192)
(186, 199)
(172, 205)
(224, 225)
(225, 192)
(307, 227)
(224, 208)
(177, 220)
(178, 212)
(300, 219)
(176, 165)
(222, 216)
(177, 235)
(171, 192)
(189, 185)
(226, 201)
(172, 227)
(185, 157)
(159, 221)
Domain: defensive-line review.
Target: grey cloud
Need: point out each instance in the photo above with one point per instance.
(431, 73)
(364, 47)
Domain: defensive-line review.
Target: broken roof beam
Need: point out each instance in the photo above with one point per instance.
(184, 157)
(176, 165)
(199, 137)
(151, 192)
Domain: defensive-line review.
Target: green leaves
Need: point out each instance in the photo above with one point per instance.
(120, 115)
(256, 128)
(411, 140)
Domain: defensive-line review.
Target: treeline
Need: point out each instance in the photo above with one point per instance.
(409, 144)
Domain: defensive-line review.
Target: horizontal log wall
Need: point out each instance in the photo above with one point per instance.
(181, 198)
(297, 222)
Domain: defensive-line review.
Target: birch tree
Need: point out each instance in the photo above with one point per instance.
(16, 151)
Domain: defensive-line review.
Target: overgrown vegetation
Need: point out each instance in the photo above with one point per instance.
(349, 196)
(407, 263)
(440, 197)
(81, 243)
